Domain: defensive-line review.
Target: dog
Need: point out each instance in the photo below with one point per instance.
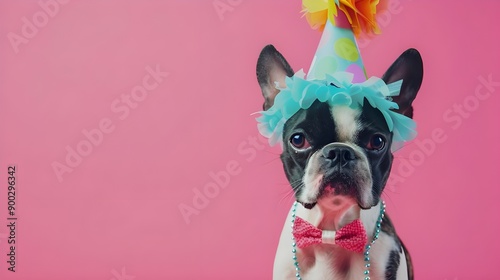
(337, 160)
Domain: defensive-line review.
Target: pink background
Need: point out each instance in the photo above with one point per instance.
(117, 213)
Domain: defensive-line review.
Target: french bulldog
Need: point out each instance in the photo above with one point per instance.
(338, 160)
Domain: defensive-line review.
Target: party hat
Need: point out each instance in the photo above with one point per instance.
(340, 21)
(337, 74)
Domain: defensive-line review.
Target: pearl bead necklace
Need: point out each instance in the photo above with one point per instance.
(368, 246)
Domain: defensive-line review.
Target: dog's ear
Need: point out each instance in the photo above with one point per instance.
(409, 68)
(271, 67)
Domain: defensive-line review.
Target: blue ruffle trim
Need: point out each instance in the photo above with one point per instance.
(336, 89)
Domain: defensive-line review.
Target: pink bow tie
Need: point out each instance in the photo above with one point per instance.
(351, 237)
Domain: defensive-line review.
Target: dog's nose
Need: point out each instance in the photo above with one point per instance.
(339, 155)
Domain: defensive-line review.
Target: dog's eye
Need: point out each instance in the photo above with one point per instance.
(299, 141)
(377, 142)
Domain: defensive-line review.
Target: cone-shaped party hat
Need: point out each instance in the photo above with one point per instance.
(340, 21)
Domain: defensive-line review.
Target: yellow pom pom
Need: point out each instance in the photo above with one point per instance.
(360, 13)
(316, 13)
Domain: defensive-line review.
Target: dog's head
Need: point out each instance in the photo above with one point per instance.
(332, 152)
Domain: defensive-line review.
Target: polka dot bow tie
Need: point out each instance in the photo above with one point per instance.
(351, 236)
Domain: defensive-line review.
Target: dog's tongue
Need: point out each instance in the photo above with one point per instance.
(338, 209)
(328, 193)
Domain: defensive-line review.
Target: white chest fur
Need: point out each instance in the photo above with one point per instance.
(325, 261)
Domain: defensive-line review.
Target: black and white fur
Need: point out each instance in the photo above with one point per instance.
(338, 160)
